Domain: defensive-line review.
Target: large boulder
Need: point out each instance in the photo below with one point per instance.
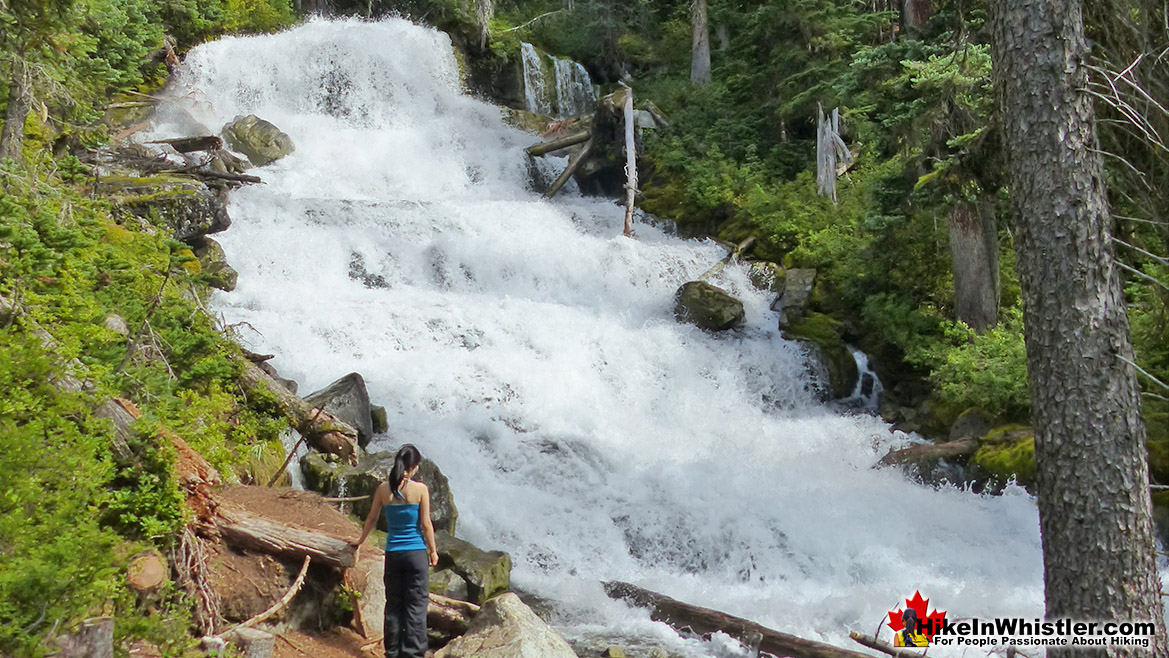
(487, 572)
(446, 582)
(823, 336)
(185, 207)
(798, 285)
(707, 306)
(347, 400)
(213, 264)
(324, 473)
(258, 139)
(506, 628)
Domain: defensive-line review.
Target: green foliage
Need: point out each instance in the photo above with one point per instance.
(987, 370)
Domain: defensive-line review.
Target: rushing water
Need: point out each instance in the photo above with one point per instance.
(531, 352)
(571, 92)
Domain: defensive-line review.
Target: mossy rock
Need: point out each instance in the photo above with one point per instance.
(214, 266)
(972, 423)
(1008, 451)
(186, 207)
(446, 582)
(259, 140)
(529, 122)
(381, 421)
(823, 336)
(708, 307)
(327, 475)
(798, 286)
(487, 572)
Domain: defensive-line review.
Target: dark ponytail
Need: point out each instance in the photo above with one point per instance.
(407, 458)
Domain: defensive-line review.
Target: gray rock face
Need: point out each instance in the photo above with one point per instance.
(116, 324)
(331, 478)
(506, 628)
(797, 293)
(381, 422)
(766, 275)
(972, 423)
(258, 139)
(347, 400)
(707, 306)
(449, 584)
(213, 263)
(487, 572)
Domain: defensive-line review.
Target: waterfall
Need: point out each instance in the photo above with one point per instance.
(532, 353)
(571, 92)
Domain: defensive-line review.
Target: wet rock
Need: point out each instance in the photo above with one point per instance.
(526, 121)
(449, 584)
(347, 400)
(324, 474)
(972, 423)
(213, 263)
(506, 628)
(823, 336)
(708, 307)
(766, 275)
(188, 208)
(798, 285)
(487, 572)
(1008, 452)
(258, 139)
(379, 419)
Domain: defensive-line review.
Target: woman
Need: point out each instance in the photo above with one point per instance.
(410, 551)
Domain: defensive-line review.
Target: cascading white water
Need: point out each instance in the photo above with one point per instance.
(532, 353)
(571, 93)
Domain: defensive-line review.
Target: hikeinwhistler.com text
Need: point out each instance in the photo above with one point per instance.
(1021, 632)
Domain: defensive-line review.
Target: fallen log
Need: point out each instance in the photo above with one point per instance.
(883, 647)
(930, 452)
(323, 432)
(630, 161)
(704, 621)
(560, 143)
(450, 616)
(249, 531)
(656, 113)
(189, 144)
(730, 258)
(569, 170)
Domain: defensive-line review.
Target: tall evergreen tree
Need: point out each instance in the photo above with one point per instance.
(1094, 509)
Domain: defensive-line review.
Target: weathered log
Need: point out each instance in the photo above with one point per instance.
(449, 615)
(704, 621)
(189, 144)
(917, 454)
(656, 113)
(560, 143)
(569, 170)
(146, 573)
(248, 531)
(200, 172)
(630, 161)
(729, 258)
(883, 647)
(323, 432)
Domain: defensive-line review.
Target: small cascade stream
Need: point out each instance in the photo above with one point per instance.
(570, 92)
(532, 353)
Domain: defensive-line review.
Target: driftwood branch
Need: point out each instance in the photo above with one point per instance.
(883, 647)
(559, 143)
(630, 162)
(284, 600)
(730, 258)
(248, 531)
(703, 621)
(569, 170)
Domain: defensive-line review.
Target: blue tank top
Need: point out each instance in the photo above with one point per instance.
(402, 531)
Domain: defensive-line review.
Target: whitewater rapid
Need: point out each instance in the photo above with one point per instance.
(532, 353)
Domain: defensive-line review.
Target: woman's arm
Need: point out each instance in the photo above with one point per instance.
(375, 509)
(427, 525)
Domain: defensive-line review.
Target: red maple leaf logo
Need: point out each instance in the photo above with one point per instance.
(929, 623)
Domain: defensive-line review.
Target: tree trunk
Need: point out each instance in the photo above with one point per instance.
(245, 530)
(915, 14)
(700, 55)
(1094, 509)
(19, 102)
(975, 254)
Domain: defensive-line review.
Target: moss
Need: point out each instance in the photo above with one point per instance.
(826, 334)
(1008, 451)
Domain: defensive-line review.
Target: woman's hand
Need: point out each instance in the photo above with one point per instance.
(433, 558)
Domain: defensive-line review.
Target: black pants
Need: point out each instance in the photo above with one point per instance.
(407, 595)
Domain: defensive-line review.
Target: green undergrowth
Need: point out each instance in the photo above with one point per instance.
(72, 509)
